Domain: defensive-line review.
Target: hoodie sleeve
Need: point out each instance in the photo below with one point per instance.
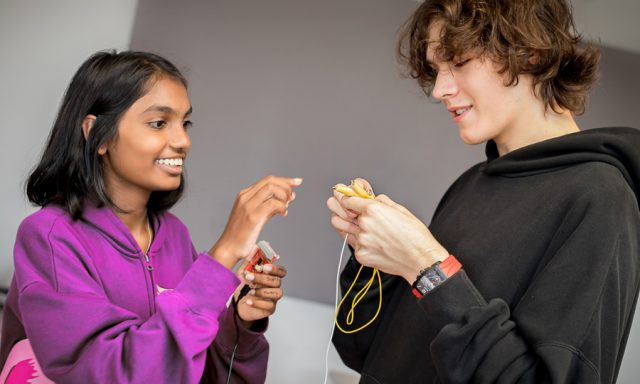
(251, 353)
(79, 335)
(571, 323)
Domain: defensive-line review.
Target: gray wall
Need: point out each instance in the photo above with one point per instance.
(308, 89)
(614, 99)
(312, 89)
(42, 43)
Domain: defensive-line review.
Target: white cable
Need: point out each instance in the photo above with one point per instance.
(326, 356)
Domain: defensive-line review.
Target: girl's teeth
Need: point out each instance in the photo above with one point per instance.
(170, 162)
(460, 111)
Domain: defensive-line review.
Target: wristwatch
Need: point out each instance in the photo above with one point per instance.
(431, 277)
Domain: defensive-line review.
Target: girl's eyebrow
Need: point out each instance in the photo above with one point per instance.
(167, 109)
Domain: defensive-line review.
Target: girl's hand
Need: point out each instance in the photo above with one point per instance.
(253, 208)
(389, 237)
(265, 292)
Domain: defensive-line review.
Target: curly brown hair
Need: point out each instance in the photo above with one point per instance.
(535, 37)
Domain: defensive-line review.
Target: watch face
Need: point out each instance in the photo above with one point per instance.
(430, 279)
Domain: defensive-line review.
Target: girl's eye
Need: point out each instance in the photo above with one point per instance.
(157, 124)
(187, 124)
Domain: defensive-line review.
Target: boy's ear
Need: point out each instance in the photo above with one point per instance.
(87, 124)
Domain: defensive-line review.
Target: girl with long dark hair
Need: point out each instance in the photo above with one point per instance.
(108, 286)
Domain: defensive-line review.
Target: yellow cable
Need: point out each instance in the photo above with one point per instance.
(357, 298)
(356, 189)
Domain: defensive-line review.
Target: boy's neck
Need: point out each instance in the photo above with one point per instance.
(538, 127)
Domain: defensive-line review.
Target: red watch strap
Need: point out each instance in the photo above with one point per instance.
(450, 265)
(444, 270)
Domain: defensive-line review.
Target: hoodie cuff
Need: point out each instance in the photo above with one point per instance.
(449, 301)
(250, 340)
(207, 286)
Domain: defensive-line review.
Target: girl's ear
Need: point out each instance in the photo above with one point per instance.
(87, 124)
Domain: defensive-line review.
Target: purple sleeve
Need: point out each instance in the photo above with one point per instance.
(250, 361)
(252, 353)
(79, 335)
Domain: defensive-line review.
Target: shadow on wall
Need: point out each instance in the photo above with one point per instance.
(3, 297)
(613, 99)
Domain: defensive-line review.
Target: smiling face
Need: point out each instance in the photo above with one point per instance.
(480, 104)
(149, 150)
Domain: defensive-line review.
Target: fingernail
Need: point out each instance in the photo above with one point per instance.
(249, 302)
(249, 276)
(252, 292)
(293, 196)
(297, 181)
(267, 268)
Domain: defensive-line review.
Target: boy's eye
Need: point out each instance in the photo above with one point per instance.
(187, 124)
(157, 124)
(461, 63)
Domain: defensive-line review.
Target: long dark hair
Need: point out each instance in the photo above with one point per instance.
(106, 85)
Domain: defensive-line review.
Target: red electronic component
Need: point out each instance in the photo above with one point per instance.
(264, 255)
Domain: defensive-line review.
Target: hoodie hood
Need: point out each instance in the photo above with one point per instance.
(617, 146)
(106, 222)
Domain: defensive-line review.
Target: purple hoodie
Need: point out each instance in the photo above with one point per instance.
(95, 310)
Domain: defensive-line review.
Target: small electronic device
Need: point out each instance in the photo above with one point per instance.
(264, 255)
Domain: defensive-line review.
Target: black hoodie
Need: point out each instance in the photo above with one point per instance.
(548, 237)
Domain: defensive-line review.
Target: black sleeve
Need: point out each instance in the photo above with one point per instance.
(571, 324)
(353, 347)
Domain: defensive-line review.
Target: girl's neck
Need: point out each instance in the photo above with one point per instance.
(132, 209)
(136, 221)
